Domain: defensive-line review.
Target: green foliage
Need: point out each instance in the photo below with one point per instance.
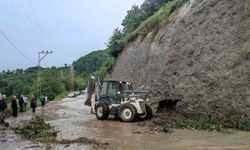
(16, 82)
(80, 83)
(37, 129)
(188, 123)
(115, 43)
(99, 61)
(90, 62)
(216, 122)
(133, 19)
(140, 21)
(137, 15)
(235, 119)
(55, 82)
(52, 83)
(106, 67)
(153, 22)
(62, 95)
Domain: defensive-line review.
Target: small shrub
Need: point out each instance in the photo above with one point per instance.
(37, 129)
(61, 95)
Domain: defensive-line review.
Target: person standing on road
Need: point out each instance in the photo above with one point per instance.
(21, 103)
(3, 107)
(43, 101)
(33, 103)
(1, 111)
(24, 103)
(14, 106)
(4, 101)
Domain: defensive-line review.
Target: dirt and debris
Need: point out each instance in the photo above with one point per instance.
(83, 140)
(79, 129)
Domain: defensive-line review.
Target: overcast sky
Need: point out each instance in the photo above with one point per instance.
(70, 28)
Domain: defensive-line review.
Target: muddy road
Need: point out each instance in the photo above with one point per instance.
(74, 121)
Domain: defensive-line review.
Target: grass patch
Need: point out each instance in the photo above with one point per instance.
(37, 129)
(153, 23)
(214, 123)
(61, 96)
(187, 123)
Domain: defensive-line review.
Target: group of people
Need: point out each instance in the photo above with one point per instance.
(22, 102)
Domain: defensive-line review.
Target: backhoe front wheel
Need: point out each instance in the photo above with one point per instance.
(102, 111)
(127, 112)
(148, 114)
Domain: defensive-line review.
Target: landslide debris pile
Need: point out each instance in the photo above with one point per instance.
(37, 129)
(201, 55)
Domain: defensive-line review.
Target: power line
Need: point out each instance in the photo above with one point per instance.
(16, 47)
(31, 20)
(22, 18)
(38, 23)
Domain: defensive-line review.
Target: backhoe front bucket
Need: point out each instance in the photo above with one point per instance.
(159, 104)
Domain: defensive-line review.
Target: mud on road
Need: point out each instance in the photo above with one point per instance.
(80, 130)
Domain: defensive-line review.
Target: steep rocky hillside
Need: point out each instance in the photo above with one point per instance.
(201, 56)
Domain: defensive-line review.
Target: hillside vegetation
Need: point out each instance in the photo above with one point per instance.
(140, 21)
(54, 81)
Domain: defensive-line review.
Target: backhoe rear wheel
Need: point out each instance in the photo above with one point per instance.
(127, 112)
(102, 111)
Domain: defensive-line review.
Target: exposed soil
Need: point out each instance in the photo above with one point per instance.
(80, 130)
(200, 56)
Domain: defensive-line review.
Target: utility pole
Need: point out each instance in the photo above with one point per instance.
(71, 77)
(41, 56)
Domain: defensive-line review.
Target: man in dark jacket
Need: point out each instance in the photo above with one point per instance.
(3, 107)
(1, 111)
(43, 101)
(33, 103)
(21, 103)
(14, 106)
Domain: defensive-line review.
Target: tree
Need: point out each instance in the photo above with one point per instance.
(115, 44)
(132, 19)
(52, 84)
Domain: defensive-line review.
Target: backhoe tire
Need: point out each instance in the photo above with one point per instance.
(127, 112)
(148, 114)
(102, 111)
(116, 117)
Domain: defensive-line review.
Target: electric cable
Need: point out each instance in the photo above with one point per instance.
(26, 57)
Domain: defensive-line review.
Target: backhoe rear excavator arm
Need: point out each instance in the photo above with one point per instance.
(94, 88)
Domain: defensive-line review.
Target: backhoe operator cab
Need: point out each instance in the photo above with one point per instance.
(116, 98)
(113, 90)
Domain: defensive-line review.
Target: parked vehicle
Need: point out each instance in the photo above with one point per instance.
(74, 94)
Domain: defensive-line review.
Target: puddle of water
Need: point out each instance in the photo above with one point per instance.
(131, 136)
